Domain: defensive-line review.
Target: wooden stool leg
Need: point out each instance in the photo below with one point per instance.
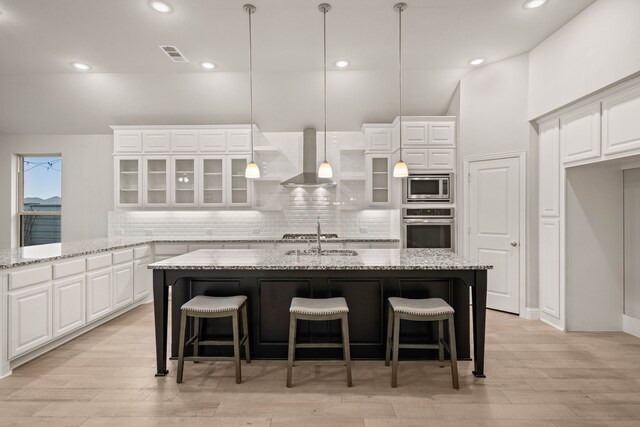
(453, 352)
(236, 347)
(440, 342)
(389, 335)
(292, 347)
(183, 328)
(196, 342)
(346, 346)
(396, 350)
(245, 329)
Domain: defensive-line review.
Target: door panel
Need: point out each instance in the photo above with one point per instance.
(494, 232)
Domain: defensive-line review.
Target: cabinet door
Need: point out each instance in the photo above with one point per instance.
(415, 134)
(213, 141)
(29, 319)
(122, 285)
(156, 181)
(156, 141)
(416, 159)
(238, 187)
(378, 180)
(442, 159)
(98, 294)
(379, 140)
(551, 298)
(68, 305)
(442, 134)
(185, 185)
(142, 279)
(549, 172)
(580, 134)
(621, 121)
(127, 141)
(239, 141)
(184, 141)
(128, 186)
(213, 180)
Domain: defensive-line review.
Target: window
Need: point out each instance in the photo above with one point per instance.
(39, 199)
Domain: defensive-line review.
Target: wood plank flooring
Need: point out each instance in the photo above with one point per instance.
(537, 376)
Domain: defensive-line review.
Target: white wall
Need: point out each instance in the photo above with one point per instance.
(632, 242)
(594, 248)
(87, 181)
(492, 106)
(597, 48)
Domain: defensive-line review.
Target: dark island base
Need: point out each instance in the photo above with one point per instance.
(269, 296)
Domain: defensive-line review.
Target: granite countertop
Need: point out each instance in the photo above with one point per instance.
(19, 257)
(367, 259)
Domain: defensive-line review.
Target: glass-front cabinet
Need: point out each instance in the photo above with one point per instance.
(156, 181)
(239, 190)
(128, 182)
(213, 179)
(184, 181)
(379, 179)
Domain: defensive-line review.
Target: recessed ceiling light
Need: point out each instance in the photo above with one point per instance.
(160, 6)
(80, 66)
(208, 65)
(341, 63)
(477, 61)
(532, 4)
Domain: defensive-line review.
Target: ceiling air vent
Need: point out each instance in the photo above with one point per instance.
(174, 54)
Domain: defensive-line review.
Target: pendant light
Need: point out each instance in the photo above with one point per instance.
(400, 169)
(252, 170)
(325, 170)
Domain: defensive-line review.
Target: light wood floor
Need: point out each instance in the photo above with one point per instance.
(536, 377)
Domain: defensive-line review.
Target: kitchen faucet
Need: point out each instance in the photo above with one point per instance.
(318, 235)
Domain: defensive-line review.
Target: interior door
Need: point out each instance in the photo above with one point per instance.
(494, 232)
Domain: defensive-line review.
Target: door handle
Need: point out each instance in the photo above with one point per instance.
(514, 244)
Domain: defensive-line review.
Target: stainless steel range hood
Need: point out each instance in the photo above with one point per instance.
(309, 176)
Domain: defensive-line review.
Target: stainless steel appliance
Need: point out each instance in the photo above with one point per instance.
(428, 188)
(428, 228)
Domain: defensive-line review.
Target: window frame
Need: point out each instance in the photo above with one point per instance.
(20, 212)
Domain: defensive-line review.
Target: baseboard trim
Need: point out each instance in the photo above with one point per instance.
(531, 313)
(631, 325)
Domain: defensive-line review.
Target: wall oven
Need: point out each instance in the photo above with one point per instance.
(428, 228)
(429, 188)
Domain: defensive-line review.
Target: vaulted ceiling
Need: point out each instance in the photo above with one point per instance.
(133, 82)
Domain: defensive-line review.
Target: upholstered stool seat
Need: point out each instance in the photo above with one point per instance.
(421, 310)
(203, 307)
(316, 310)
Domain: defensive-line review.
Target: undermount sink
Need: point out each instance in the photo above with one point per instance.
(327, 252)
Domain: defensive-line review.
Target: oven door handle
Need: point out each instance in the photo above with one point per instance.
(427, 221)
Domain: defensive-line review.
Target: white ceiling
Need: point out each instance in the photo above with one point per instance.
(133, 82)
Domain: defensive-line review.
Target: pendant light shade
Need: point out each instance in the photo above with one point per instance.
(252, 171)
(325, 170)
(400, 169)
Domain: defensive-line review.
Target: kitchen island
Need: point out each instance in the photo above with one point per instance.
(366, 279)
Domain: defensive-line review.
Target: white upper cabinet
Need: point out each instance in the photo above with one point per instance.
(549, 172)
(213, 141)
(184, 141)
(415, 134)
(156, 141)
(213, 181)
(379, 179)
(621, 121)
(442, 134)
(580, 134)
(441, 159)
(128, 182)
(185, 184)
(417, 160)
(238, 187)
(127, 141)
(379, 139)
(239, 141)
(156, 182)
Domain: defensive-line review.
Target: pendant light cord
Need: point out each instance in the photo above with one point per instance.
(324, 22)
(400, 7)
(250, 11)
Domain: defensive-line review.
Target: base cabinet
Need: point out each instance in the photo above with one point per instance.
(122, 285)
(142, 279)
(98, 293)
(30, 319)
(68, 305)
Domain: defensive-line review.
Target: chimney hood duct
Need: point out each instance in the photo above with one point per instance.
(309, 176)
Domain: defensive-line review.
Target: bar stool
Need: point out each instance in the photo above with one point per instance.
(316, 310)
(204, 307)
(421, 310)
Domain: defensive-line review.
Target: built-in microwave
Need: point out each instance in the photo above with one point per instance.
(428, 188)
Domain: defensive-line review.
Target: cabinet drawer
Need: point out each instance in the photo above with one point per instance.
(155, 141)
(171, 249)
(127, 141)
(122, 256)
(69, 268)
(98, 261)
(29, 277)
(142, 252)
